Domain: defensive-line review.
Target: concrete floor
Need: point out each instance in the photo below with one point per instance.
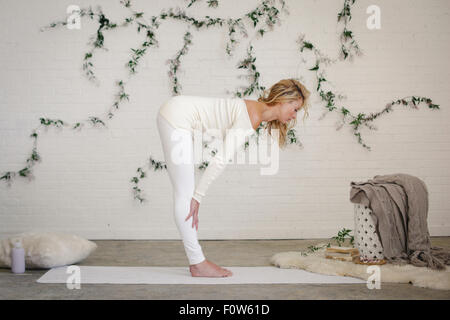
(225, 253)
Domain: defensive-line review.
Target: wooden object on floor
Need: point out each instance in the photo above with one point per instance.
(379, 262)
(339, 256)
(345, 250)
(341, 253)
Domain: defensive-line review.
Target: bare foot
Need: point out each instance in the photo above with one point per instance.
(208, 269)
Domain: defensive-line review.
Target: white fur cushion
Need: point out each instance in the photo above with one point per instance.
(47, 250)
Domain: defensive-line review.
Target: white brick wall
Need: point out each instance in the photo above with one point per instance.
(82, 185)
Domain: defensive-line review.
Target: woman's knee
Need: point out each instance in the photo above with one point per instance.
(182, 197)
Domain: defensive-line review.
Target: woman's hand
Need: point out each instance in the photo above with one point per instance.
(194, 213)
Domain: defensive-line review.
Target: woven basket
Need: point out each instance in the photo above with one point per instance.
(366, 236)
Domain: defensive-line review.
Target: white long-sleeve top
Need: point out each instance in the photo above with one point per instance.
(229, 115)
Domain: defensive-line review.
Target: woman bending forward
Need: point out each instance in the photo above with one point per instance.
(181, 115)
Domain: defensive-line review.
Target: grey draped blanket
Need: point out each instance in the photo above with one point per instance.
(399, 203)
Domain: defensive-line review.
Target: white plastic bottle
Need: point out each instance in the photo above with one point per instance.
(18, 258)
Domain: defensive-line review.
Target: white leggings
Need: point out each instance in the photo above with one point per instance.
(183, 183)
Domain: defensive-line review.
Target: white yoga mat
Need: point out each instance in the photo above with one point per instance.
(181, 275)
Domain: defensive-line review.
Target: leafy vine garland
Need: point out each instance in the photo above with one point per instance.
(211, 3)
(356, 121)
(348, 44)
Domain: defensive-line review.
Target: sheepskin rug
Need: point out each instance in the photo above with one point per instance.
(316, 262)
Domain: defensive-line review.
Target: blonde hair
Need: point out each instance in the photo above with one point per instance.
(285, 90)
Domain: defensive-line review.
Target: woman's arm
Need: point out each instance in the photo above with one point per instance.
(234, 140)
